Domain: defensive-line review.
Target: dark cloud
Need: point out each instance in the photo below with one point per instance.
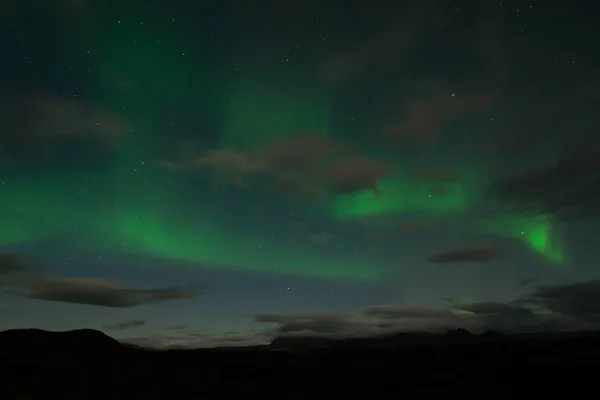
(194, 340)
(372, 321)
(321, 238)
(126, 325)
(396, 39)
(13, 263)
(513, 317)
(423, 120)
(302, 152)
(546, 309)
(526, 281)
(569, 187)
(579, 300)
(99, 292)
(393, 312)
(93, 291)
(229, 163)
(358, 173)
(466, 254)
(493, 309)
(175, 328)
(435, 174)
(35, 118)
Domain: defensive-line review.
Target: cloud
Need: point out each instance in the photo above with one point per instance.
(195, 340)
(393, 312)
(14, 12)
(397, 39)
(569, 187)
(466, 254)
(435, 174)
(385, 320)
(546, 309)
(126, 324)
(372, 321)
(493, 309)
(321, 238)
(92, 291)
(99, 292)
(579, 300)
(341, 326)
(13, 264)
(175, 327)
(42, 116)
(230, 163)
(423, 120)
(526, 281)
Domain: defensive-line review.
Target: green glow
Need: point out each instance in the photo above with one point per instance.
(45, 206)
(142, 66)
(131, 207)
(406, 193)
(211, 245)
(398, 195)
(142, 220)
(267, 106)
(537, 231)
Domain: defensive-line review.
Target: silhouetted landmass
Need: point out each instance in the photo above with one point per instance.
(37, 343)
(87, 364)
(492, 335)
(399, 340)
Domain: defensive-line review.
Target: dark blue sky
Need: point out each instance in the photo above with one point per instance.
(222, 173)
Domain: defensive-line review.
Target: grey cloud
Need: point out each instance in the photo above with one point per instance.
(548, 308)
(126, 324)
(20, 275)
(13, 263)
(321, 238)
(327, 324)
(393, 312)
(51, 116)
(569, 187)
(466, 254)
(526, 281)
(579, 300)
(175, 327)
(284, 319)
(201, 340)
(497, 309)
(99, 292)
(375, 320)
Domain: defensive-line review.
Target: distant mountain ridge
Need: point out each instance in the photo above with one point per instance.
(89, 344)
(397, 339)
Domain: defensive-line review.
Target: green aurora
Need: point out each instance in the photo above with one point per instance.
(136, 206)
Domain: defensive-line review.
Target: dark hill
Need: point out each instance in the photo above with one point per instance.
(87, 364)
(493, 336)
(37, 343)
(456, 336)
(460, 334)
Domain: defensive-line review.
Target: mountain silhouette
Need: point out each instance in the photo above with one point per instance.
(393, 340)
(89, 364)
(459, 334)
(37, 343)
(493, 336)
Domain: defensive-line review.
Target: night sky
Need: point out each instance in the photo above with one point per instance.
(189, 173)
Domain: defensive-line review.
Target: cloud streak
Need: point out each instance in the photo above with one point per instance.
(90, 291)
(126, 325)
(466, 254)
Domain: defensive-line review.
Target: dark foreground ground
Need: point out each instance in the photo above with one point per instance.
(558, 367)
